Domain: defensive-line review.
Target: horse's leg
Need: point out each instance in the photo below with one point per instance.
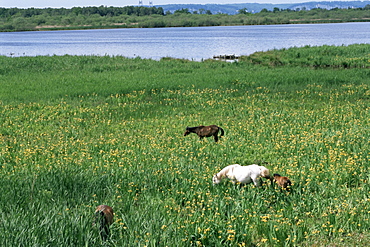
(256, 181)
(216, 137)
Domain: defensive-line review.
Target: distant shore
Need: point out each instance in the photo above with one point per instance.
(151, 17)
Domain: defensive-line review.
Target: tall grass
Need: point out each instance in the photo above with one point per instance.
(77, 132)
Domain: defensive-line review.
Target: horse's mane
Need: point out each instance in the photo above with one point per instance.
(226, 171)
(194, 128)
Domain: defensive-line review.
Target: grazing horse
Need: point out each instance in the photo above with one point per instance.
(205, 131)
(242, 174)
(283, 182)
(104, 218)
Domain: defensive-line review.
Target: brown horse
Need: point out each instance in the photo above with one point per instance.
(104, 218)
(205, 131)
(283, 182)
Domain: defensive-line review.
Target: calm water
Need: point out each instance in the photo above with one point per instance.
(191, 43)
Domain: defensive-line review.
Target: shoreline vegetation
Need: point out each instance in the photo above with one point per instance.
(81, 131)
(14, 19)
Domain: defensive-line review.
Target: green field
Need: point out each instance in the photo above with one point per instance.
(79, 131)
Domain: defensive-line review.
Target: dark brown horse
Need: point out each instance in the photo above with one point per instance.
(104, 218)
(283, 182)
(205, 131)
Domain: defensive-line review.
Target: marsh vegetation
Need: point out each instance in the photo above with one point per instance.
(80, 131)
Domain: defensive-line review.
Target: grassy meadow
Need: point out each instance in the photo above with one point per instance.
(80, 131)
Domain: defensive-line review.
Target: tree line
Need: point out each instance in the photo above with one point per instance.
(32, 19)
(87, 11)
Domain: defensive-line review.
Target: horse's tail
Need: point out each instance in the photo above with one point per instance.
(222, 131)
(103, 225)
(288, 182)
(104, 218)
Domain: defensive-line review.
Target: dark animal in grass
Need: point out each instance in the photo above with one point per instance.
(104, 218)
(283, 182)
(205, 131)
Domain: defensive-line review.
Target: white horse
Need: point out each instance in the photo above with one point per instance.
(242, 174)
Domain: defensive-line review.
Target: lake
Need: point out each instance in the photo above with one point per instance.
(194, 43)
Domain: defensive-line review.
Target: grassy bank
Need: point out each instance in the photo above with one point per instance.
(79, 131)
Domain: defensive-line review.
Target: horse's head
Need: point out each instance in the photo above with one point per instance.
(265, 173)
(282, 181)
(215, 179)
(187, 131)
